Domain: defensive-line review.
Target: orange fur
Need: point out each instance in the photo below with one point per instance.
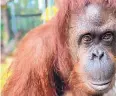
(43, 50)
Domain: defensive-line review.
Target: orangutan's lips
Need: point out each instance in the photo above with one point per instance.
(100, 85)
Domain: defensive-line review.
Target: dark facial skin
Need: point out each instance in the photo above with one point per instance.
(93, 46)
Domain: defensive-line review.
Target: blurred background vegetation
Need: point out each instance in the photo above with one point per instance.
(17, 18)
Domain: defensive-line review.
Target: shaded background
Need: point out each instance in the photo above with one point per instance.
(20, 16)
(17, 18)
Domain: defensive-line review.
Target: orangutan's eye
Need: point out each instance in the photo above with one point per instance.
(87, 38)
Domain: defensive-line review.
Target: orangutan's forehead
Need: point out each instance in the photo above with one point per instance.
(96, 14)
(96, 17)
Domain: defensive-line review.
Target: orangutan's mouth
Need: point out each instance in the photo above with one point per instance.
(100, 85)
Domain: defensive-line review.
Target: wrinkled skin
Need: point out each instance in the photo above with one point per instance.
(71, 55)
(93, 33)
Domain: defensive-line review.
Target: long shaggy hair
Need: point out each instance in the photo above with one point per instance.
(43, 51)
